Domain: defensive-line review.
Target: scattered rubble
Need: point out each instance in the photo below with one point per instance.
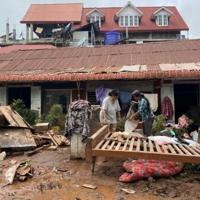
(19, 171)
(2, 155)
(128, 191)
(93, 187)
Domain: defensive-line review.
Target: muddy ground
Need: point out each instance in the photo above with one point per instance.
(50, 184)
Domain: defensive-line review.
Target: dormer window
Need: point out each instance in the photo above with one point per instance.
(128, 21)
(162, 16)
(95, 18)
(128, 16)
(162, 20)
(95, 15)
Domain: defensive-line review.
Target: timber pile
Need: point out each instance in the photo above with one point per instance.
(52, 139)
(15, 132)
(17, 135)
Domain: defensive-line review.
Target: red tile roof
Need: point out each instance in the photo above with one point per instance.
(53, 13)
(146, 23)
(11, 48)
(175, 59)
(62, 13)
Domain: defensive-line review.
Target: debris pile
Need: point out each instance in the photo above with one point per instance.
(20, 171)
(17, 135)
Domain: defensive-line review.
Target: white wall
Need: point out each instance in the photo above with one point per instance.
(36, 100)
(128, 11)
(3, 96)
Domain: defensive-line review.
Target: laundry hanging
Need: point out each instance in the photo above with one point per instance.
(167, 108)
(77, 120)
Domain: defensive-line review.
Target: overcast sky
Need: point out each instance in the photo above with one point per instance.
(15, 10)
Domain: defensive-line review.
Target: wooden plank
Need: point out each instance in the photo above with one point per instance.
(177, 149)
(196, 149)
(16, 138)
(164, 147)
(158, 149)
(118, 146)
(131, 144)
(98, 136)
(100, 144)
(191, 150)
(148, 155)
(138, 144)
(151, 146)
(105, 144)
(126, 143)
(183, 149)
(144, 144)
(112, 145)
(6, 112)
(171, 149)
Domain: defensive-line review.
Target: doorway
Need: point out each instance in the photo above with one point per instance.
(186, 98)
(23, 93)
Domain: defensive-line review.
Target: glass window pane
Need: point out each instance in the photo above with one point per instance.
(121, 20)
(136, 20)
(58, 96)
(126, 20)
(165, 20)
(131, 20)
(160, 20)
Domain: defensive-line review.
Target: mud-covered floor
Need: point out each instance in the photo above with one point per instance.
(48, 184)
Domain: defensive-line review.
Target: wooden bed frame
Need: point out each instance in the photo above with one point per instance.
(102, 144)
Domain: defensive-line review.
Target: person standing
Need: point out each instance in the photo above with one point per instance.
(144, 112)
(110, 110)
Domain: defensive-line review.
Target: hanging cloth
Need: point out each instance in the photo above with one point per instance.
(77, 120)
(167, 108)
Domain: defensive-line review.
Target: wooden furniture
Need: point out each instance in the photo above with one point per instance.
(102, 144)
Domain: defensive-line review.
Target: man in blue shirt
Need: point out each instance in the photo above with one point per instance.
(144, 111)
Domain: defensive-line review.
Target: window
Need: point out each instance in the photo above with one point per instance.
(56, 96)
(95, 18)
(129, 21)
(162, 20)
(165, 20)
(136, 20)
(126, 21)
(121, 21)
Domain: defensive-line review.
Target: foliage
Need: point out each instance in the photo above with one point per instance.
(56, 118)
(192, 167)
(158, 124)
(28, 115)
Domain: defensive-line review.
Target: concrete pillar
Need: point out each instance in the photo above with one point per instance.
(27, 33)
(36, 99)
(3, 96)
(7, 31)
(31, 32)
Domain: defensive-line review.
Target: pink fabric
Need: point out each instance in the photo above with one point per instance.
(167, 108)
(140, 169)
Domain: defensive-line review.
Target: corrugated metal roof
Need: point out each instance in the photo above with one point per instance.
(150, 60)
(11, 48)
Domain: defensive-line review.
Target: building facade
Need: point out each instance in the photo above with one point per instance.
(133, 24)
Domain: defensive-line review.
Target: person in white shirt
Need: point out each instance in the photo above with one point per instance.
(110, 110)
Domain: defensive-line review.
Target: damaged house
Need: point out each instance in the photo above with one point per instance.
(104, 25)
(44, 77)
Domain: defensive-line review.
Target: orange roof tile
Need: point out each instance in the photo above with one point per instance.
(146, 23)
(53, 13)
